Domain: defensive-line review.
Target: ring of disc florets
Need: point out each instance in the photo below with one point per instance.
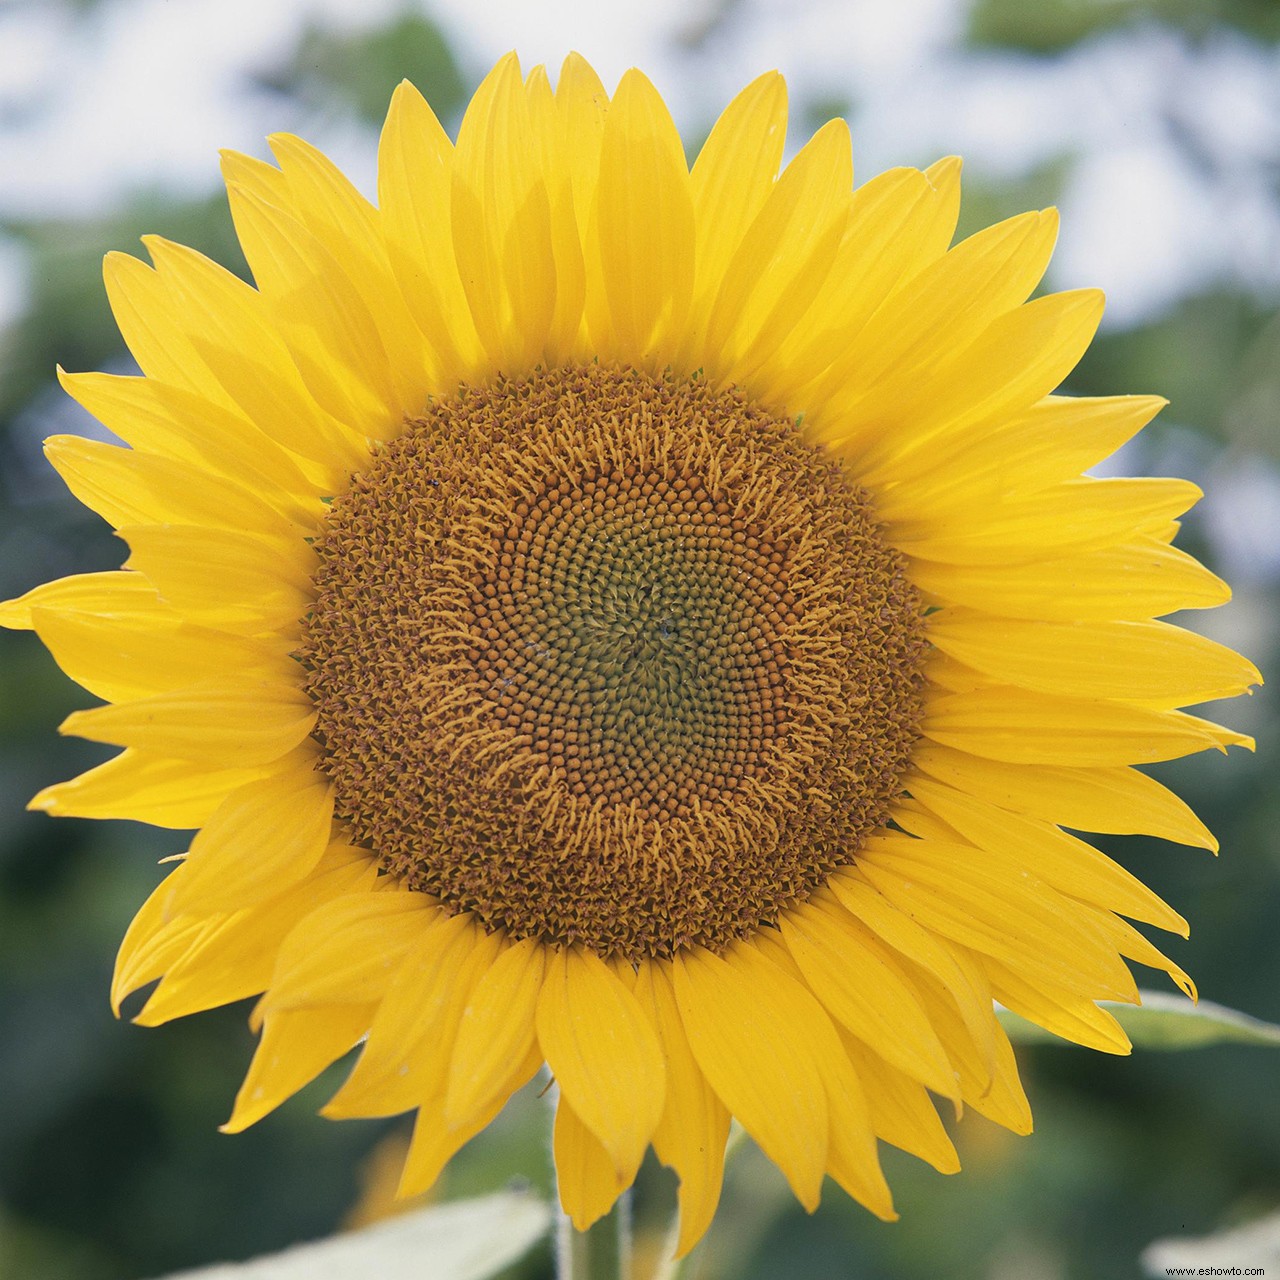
(612, 659)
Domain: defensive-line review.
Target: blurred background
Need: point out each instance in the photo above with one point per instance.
(1154, 124)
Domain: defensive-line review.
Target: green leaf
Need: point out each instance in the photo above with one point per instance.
(1163, 1022)
(460, 1240)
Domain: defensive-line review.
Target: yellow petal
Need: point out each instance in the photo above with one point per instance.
(296, 1045)
(244, 370)
(331, 336)
(251, 723)
(901, 1110)
(101, 593)
(1070, 865)
(1079, 515)
(232, 328)
(861, 986)
(642, 226)
(991, 1087)
(1021, 922)
(154, 328)
(918, 820)
(435, 1142)
(151, 944)
(1016, 361)
(741, 1032)
(563, 340)
(1133, 946)
(581, 106)
(603, 1052)
(785, 256)
(934, 317)
(1133, 581)
(586, 1176)
(981, 459)
(1065, 1013)
(733, 175)
(173, 423)
(348, 950)
(235, 955)
(497, 1029)
(313, 185)
(406, 1058)
(501, 222)
(852, 1157)
(944, 674)
(144, 788)
(348, 227)
(264, 836)
(221, 578)
(1153, 663)
(415, 180)
(1117, 800)
(944, 179)
(260, 177)
(899, 222)
(1022, 727)
(125, 487)
(691, 1135)
(118, 661)
(925, 949)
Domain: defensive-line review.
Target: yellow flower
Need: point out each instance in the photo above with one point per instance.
(645, 619)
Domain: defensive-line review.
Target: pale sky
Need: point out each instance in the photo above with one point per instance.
(145, 92)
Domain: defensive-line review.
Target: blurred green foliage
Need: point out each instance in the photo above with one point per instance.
(358, 71)
(1055, 26)
(110, 1164)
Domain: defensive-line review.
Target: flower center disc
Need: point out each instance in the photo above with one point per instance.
(611, 659)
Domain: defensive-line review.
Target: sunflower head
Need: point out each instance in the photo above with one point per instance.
(605, 659)
(645, 619)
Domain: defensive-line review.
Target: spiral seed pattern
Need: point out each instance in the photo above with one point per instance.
(633, 634)
(611, 659)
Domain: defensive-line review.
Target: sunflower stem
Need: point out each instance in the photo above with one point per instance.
(602, 1251)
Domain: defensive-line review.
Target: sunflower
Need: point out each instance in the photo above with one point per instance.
(645, 619)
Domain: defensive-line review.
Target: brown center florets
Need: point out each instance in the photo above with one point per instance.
(613, 659)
